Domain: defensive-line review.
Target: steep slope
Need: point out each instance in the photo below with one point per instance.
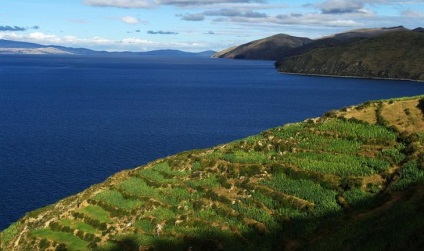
(397, 55)
(350, 180)
(270, 48)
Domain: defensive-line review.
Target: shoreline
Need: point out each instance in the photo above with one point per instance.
(353, 77)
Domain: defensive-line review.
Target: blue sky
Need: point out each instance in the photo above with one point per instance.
(192, 25)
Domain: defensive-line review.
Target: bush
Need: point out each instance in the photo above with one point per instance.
(421, 105)
(44, 244)
(61, 247)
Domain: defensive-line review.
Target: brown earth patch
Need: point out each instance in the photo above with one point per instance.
(404, 115)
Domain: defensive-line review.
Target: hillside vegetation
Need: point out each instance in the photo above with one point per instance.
(397, 55)
(341, 39)
(350, 180)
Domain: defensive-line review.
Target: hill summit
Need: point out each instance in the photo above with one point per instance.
(350, 180)
(270, 48)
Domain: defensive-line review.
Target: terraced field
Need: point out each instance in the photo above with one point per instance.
(349, 180)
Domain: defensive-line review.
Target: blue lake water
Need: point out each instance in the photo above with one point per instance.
(69, 122)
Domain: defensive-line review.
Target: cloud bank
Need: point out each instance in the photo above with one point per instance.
(122, 3)
(101, 43)
(17, 28)
(162, 33)
(154, 3)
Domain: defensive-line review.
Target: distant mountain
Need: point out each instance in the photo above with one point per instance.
(34, 51)
(270, 48)
(16, 47)
(4, 44)
(208, 53)
(397, 54)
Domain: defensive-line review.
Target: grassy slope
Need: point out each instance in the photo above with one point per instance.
(353, 180)
(391, 55)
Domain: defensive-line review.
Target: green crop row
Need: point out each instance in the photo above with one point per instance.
(358, 131)
(166, 169)
(324, 199)
(72, 242)
(138, 187)
(95, 212)
(246, 157)
(322, 143)
(155, 176)
(115, 198)
(342, 165)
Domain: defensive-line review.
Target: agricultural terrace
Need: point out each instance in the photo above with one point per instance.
(277, 189)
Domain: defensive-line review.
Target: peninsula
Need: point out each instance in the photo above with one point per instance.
(352, 179)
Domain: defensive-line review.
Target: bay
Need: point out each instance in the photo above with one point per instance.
(67, 123)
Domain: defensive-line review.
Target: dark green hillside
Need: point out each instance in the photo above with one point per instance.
(341, 39)
(351, 180)
(397, 55)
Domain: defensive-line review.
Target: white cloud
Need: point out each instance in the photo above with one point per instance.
(130, 20)
(100, 43)
(51, 39)
(122, 3)
(193, 3)
(341, 6)
(317, 19)
(257, 18)
(41, 37)
(357, 6)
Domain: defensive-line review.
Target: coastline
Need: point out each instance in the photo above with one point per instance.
(353, 77)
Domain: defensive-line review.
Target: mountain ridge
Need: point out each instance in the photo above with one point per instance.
(17, 47)
(394, 55)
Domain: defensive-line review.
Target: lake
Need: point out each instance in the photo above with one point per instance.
(67, 123)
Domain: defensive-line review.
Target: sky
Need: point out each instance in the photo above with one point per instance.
(192, 25)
